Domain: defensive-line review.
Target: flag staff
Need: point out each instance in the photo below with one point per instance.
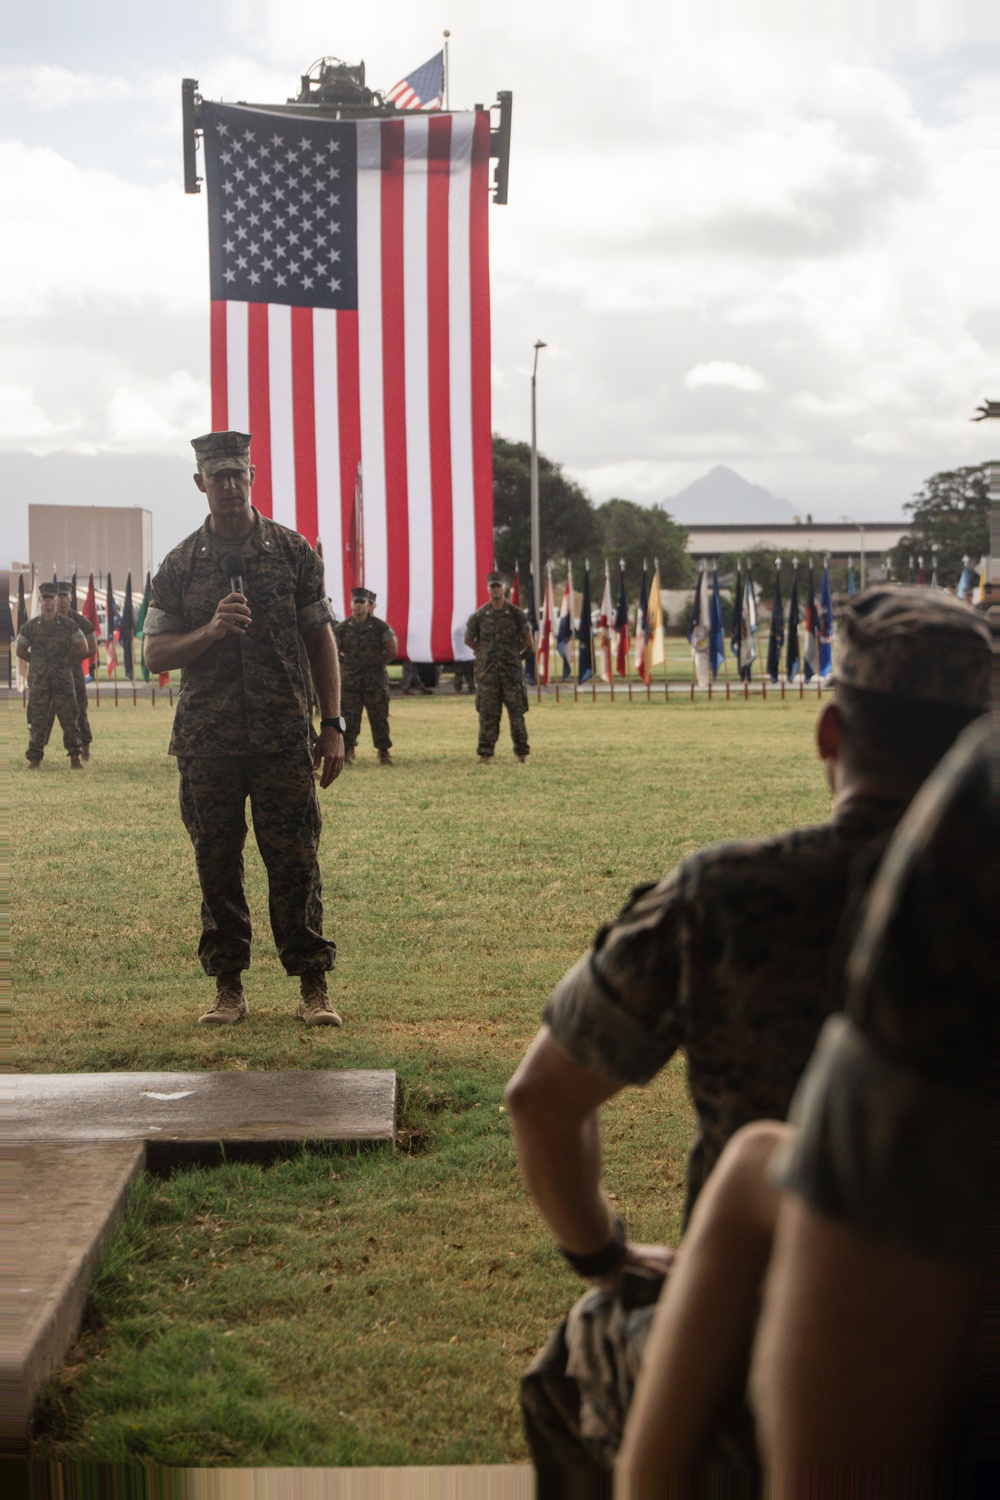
(725, 658)
(447, 80)
(760, 654)
(536, 543)
(606, 632)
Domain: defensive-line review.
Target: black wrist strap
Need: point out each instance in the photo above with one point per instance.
(599, 1262)
(330, 723)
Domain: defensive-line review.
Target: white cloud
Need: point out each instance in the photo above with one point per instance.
(23, 423)
(725, 372)
(43, 87)
(84, 234)
(161, 415)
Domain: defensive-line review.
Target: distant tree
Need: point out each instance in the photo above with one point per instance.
(568, 525)
(762, 562)
(636, 532)
(952, 510)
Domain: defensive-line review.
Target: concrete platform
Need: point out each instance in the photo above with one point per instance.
(197, 1111)
(57, 1481)
(61, 1203)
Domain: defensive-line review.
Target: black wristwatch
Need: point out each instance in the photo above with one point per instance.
(600, 1262)
(339, 723)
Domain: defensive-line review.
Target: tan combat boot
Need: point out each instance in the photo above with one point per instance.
(85, 753)
(314, 1007)
(75, 763)
(349, 756)
(230, 1003)
(384, 758)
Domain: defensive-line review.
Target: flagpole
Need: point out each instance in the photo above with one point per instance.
(760, 658)
(611, 659)
(593, 659)
(725, 656)
(447, 80)
(550, 632)
(574, 645)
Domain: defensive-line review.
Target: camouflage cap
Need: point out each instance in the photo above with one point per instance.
(222, 450)
(47, 590)
(494, 577)
(359, 594)
(915, 643)
(372, 596)
(64, 588)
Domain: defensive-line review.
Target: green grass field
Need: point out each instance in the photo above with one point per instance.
(363, 1307)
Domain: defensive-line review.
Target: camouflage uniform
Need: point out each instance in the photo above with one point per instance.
(496, 635)
(242, 727)
(53, 646)
(79, 683)
(896, 1112)
(364, 682)
(727, 959)
(893, 1110)
(733, 957)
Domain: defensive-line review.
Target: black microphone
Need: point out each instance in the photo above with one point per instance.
(233, 565)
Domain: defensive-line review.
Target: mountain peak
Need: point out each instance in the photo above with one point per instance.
(724, 498)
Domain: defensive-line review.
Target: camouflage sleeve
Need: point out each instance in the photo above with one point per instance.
(165, 615)
(23, 637)
(472, 627)
(311, 603)
(891, 1152)
(78, 638)
(618, 1010)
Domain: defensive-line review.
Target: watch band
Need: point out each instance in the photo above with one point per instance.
(599, 1262)
(338, 723)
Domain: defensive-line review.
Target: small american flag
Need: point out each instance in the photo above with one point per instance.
(421, 89)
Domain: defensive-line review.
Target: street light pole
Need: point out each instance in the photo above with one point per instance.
(536, 543)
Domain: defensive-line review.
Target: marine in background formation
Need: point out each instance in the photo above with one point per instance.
(499, 636)
(64, 596)
(366, 645)
(243, 724)
(731, 957)
(53, 646)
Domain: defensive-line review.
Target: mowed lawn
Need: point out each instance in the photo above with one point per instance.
(349, 1307)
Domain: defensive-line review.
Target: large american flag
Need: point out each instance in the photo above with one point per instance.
(350, 324)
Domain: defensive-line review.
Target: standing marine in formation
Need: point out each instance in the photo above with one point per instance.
(366, 645)
(64, 596)
(52, 646)
(499, 635)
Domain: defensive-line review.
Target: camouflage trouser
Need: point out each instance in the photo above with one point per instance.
(286, 825)
(576, 1393)
(493, 693)
(465, 675)
(80, 685)
(372, 694)
(50, 696)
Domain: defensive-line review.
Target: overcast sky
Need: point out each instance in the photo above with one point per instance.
(746, 239)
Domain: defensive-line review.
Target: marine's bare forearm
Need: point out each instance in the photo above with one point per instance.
(165, 652)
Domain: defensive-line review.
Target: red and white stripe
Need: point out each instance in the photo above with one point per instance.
(404, 97)
(402, 386)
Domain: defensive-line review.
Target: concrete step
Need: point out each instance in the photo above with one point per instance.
(181, 1115)
(65, 1200)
